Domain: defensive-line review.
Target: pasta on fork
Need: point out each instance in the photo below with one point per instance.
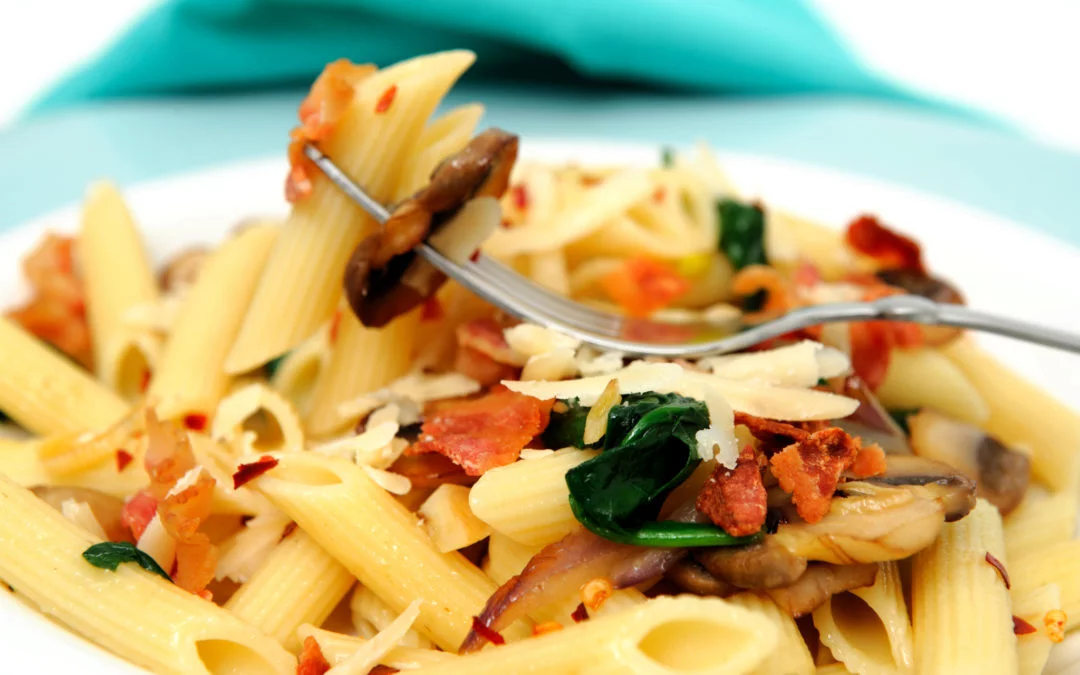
(305, 451)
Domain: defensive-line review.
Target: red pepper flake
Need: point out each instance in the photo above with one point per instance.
(289, 529)
(123, 458)
(580, 613)
(1000, 569)
(432, 310)
(312, 661)
(246, 473)
(659, 194)
(475, 256)
(505, 223)
(386, 100)
(520, 197)
(483, 631)
(1021, 627)
(144, 383)
(195, 421)
(335, 327)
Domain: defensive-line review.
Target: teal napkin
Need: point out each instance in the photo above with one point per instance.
(190, 46)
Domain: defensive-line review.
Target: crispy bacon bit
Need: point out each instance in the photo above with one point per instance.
(811, 468)
(1055, 621)
(386, 100)
(123, 458)
(774, 435)
(890, 249)
(431, 471)
(546, 627)
(1000, 567)
(138, 512)
(474, 364)
(483, 433)
(483, 631)
(596, 592)
(312, 661)
(869, 462)
(642, 285)
(1021, 627)
(245, 473)
(195, 421)
(806, 274)
(57, 311)
(432, 310)
(182, 514)
(319, 114)
(735, 499)
(168, 455)
(475, 256)
(519, 196)
(486, 336)
(580, 613)
(334, 329)
(289, 529)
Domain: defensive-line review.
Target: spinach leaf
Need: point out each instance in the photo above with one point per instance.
(567, 428)
(649, 450)
(271, 367)
(109, 554)
(900, 416)
(742, 233)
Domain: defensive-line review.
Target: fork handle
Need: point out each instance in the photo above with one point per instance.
(914, 309)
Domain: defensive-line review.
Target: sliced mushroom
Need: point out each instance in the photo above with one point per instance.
(691, 577)
(954, 490)
(767, 564)
(384, 277)
(937, 289)
(868, 522)
(183, 268)
(1001, 474)
(820, 582)
(107, 509)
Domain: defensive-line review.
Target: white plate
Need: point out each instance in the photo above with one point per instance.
(1000, 266)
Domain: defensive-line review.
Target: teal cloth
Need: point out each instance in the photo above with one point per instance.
(752, 46)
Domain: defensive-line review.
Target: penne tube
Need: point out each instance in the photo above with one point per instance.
(961, 610)
(379, 541)
(791, 656)
(298, 583)
(45, 392)
(664, 636)
(21, 463)
(1057, 564)
(301, 283)
(953, 393)
(1033, 649)
(117, 275)
(131, 612)
(1041, 521)
(337, 648)
(207, 324)
(528, 500)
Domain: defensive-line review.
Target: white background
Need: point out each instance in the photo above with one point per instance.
(1018, 60)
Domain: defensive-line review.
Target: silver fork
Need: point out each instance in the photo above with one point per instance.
(526, 300)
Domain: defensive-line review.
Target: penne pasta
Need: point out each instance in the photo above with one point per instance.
(1033, 650)
(46, 393)
(41, 555)
(953, 394)
(219, 298)
(961, 611)
(528, 500)
(790, 656)
(117, 275)
(1040, 521)
(338, 647)
(298, 583)
(1056, 564)
(301, 283)
(379, 541)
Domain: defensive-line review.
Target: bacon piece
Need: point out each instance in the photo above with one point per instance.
(774, 435)
(123, 458)
(312, 661)
(486, 336)
(734, 499)
(319, 114)
(138, 512)
(430, 471)
(168, 455)
(56, 312)
(246, 473)
(483, 433)
(869, 462)
(580, 613)
(488, 634)
(479, 366)
(810, 469)
(519, 196)
(196, 562)
(196, 421)
(643, 285)
(889, 248)
(182, 514)
(806, 275)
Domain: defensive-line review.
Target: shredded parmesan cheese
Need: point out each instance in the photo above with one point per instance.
(394, 483)
(591, 362)
(532, 340)
(558, 364)
(798, 365)
(415, 389)
(82, 515)
(156, 543)
(535, 453)
(636, 378)
(186, 481)
(597, 419)
(372, 652)
(246, 550)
